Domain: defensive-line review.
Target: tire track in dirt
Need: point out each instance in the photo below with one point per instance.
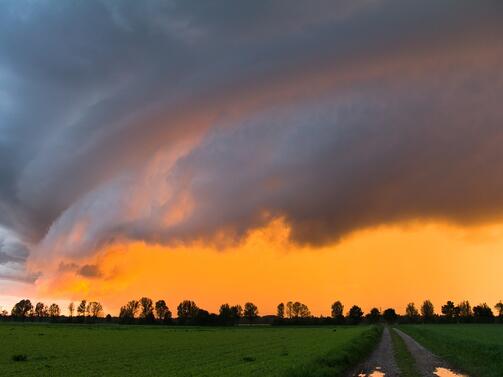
(427, 363)
(380, 363)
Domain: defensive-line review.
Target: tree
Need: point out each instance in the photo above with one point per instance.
(289, 307)
(81, 309)
(427, 311)
(187, 310)
(449, 310)
(161, 309)
(389, 315)
(299, 310)
(237, 311)
(483, 313)
(203, 317)
(464, 310)
(230, 314)
(146, 308)
(374, 315)
(94, 309)
(54, 311)
(22, 309)
(250, 311)
(71, 309)
(280, 312)
(337, 309)
(168, 316)
(225, 313)
(355, 314)
(411, 312)
(40, 310)
(129, 311)
(499, 308)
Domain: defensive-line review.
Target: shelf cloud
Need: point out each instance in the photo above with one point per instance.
(177, 121)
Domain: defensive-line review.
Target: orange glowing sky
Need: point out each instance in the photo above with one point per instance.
(387, 266)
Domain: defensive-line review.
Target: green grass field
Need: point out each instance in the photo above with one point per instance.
(114, 350)
(474, 349)
(403, 357)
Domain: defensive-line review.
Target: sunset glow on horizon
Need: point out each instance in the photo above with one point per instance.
(410, 263)
(225, 153)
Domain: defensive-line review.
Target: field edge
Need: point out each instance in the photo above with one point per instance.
(338, 361)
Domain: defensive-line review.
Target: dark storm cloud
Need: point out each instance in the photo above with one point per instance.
(90, 271)
(336, 115)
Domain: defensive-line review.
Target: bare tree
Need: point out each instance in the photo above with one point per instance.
(299, 310)
(94, 309)
(464, 309)
(289, 307)
(129, 310)
(81, 309)
(41, 310)
(146, 308)
(411, 312)
(54, 311)
(71, 309)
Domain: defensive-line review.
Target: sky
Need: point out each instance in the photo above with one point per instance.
(261, 151)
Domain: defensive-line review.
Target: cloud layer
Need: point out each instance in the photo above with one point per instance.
(176, 121)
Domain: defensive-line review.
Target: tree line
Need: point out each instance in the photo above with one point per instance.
(145, 310)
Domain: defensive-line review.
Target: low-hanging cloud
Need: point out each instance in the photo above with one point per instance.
(173, 121)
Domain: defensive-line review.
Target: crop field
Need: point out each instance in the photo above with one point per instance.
(476, 349)
(115, 350)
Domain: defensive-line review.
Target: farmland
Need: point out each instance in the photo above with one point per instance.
(113, 350)
(475, 349)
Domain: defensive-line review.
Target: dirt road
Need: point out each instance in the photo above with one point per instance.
(381, 361)
(427, 363)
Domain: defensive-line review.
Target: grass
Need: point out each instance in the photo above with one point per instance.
(338, 360)
(114, 350)
(475, 349)
(403, 357)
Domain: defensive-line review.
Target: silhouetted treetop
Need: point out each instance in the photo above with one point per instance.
(280, 312)
(187, 310)
(411, 312)
(22, 309)
(54, 311)
(355, 314)
(250, 311)
(427, 310)
(337, 309)
(146, 307)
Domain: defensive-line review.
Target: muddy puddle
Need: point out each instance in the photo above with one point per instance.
(376, 373)
(444, 372)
